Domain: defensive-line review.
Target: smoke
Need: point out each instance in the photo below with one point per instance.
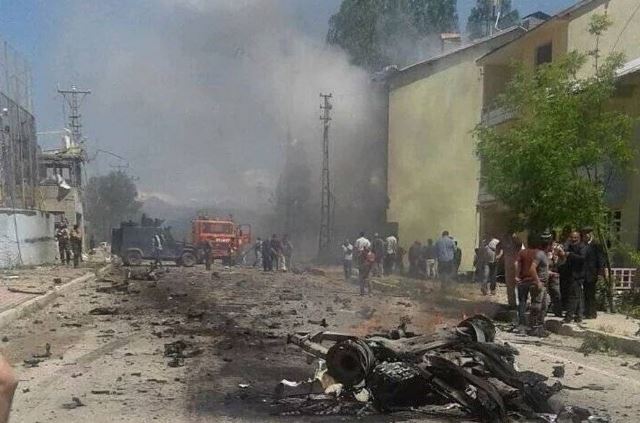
(199, 95)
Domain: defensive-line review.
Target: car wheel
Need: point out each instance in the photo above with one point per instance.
(133, 258)
(188, 259)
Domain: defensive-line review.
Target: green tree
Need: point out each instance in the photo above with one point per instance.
(109, 200)
(371, 31)
(483, 16)
(553, 164)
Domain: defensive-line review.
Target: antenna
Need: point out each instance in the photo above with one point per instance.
(73, 98)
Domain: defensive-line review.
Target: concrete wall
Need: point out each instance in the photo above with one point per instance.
(68, 204)
(433, 172)
(623, 36)
(34, 241)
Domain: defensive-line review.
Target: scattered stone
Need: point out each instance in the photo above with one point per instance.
(75, 403)
(154, 380)
(558, 371)
(635, 366)
(57, 281)
(25, 390)
(75, 375)
(138, 374)
(103, 311)
(5, 339)
(101, 392)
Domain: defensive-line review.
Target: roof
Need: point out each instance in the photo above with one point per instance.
(628, 68)
(569, 13)
(538, 15)
(463, 48)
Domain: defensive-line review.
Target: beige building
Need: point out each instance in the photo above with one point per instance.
(432, 168)
(568, 31)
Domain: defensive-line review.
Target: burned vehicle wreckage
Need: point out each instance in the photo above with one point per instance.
(455, 373)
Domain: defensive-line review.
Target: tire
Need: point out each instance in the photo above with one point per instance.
(133, 258)
(188, 259)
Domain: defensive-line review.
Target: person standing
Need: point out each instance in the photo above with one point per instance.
(493, 255)
(75, 240)
(481, 263)
(457, 260)
(156, 243)
(594, 266)
(347, 259)
(574, 254)
(445, 250)
(512, 246)
(287, 253)
(553, 284)
(391, 247)
(267, 257)
(62, 236)
(361, 243)
(378, 250)
(401, 252)
(414, 256)
(276, 252)
(532, 269)
(367, 261)
(257, 251)
(430, 255)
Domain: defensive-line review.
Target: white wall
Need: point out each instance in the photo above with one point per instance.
(35, 241)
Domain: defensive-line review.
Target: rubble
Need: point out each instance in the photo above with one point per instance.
(451, 371)
(104, 311)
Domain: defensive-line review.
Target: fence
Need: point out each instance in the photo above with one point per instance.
(624, 279)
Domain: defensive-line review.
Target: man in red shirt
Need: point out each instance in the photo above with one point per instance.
(532, 270)
(367, 261)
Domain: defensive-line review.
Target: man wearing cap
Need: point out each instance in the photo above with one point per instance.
(593, 266)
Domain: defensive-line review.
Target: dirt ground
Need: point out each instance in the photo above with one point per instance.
(112, 368)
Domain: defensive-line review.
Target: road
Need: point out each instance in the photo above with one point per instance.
(235, 324)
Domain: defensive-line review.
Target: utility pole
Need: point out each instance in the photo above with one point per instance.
(73, 98)
(324, 239)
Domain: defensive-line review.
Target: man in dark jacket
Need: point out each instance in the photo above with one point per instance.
(267, 261)
(594, 266)
(574, 253)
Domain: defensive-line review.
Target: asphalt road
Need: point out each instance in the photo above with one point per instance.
(112, 368)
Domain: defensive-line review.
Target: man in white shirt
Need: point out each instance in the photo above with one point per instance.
(360, 244)
(391, 244)
(347, 261)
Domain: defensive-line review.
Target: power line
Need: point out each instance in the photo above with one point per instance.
(326, 213)
(73, 97)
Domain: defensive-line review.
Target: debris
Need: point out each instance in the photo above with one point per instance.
(57, 281)
(26, 291)
(462, 366)
(635, 366)
(596, 343)
(322, 322)
(243, 385)
(101, 392)
(103, 311)
(558, 371)
(75, 403)
(5, 339)
(25, 390)
(32, 362)
(195, 314)
(114, 287)
(215, 275)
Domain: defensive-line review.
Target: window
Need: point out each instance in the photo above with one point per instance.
(217, 228)
(544, 54)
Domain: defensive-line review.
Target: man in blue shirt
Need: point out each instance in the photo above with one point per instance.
(445, 250)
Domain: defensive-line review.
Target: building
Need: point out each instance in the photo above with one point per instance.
(26, 232)
(61, 181)
(568, 31)
(433, 172)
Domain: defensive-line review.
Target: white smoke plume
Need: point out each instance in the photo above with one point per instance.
(199, 94)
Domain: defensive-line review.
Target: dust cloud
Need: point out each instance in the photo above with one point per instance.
(204, 97)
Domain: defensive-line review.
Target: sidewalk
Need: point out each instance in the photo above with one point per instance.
(36, 281)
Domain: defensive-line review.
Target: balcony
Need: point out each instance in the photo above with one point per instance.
(496, 116)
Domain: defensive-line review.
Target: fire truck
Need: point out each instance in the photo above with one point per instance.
(228, 241)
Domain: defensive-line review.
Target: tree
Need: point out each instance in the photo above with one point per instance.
(110, 199)
(483, 16)
(553, 165)
(371, 31)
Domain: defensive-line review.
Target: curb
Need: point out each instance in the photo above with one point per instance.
(43, 300)
(621, 343)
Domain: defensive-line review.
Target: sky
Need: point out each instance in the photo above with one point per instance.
(158, 86)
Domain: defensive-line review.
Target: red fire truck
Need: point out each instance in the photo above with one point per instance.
(227, 241)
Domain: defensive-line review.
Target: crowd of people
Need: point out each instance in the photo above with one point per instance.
(552, 273)
(384, 256)
(69, 243)
(273, 253)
